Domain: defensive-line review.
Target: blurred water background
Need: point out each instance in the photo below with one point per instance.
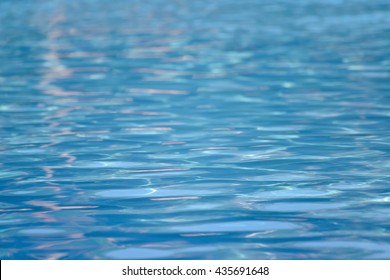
(179, 129)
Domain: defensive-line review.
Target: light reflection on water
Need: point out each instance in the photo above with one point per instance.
(194, 129)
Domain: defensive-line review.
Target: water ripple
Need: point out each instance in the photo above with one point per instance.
(194, 129)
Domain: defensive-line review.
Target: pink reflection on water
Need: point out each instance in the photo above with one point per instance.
(56, 256)
(48, 171)
(70, 158)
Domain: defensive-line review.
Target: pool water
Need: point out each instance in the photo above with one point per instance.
(181, 129)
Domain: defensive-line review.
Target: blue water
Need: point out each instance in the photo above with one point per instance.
(155, 129)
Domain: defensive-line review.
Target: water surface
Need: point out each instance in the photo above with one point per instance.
(194, 129)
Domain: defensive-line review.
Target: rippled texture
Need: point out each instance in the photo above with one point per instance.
(194, 129)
